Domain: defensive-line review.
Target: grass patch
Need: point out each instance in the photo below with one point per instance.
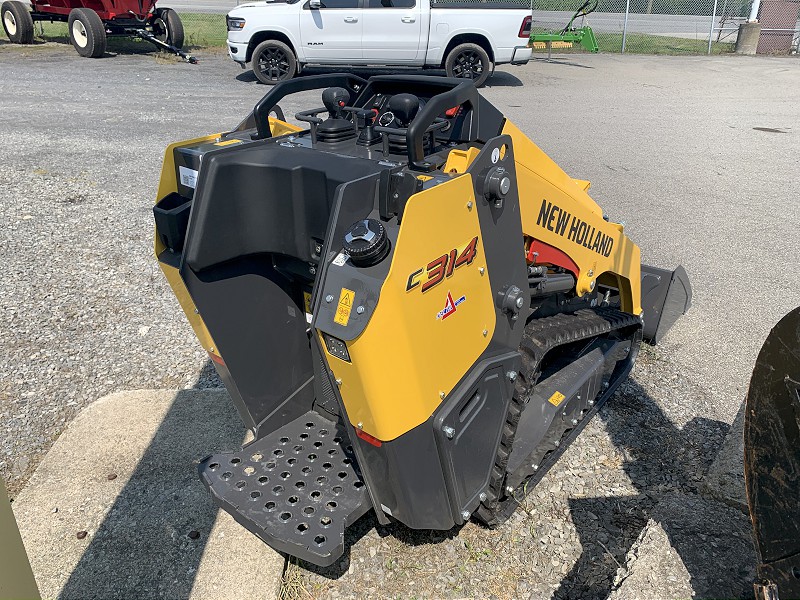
(642, 43)
(202, 30)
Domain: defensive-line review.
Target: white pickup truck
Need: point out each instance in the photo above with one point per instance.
(465, 37)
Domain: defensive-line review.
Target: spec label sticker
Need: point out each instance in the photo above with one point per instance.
(556, 399)
(346, 298)
(340, 259)
(188, 177)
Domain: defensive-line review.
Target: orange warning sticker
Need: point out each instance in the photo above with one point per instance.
(556, 399)
(346, 298)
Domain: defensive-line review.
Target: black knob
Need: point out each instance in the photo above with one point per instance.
(334, 99)
(366, 242)
(404, 107)
(497, 184)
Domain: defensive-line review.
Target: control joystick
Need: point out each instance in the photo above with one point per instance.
(335, 128)
(335, 99)
(404, 107)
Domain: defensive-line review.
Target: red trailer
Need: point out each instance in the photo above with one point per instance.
(90, 22)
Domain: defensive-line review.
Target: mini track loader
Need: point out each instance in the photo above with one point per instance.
(413, 308)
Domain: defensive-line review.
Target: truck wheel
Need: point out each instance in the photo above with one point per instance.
(87, 32)
(274, 61)
(469, 61)
(17, 22)
(167, 27)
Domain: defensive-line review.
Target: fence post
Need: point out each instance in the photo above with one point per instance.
(711, 29)
(625, 25)
(754, 11)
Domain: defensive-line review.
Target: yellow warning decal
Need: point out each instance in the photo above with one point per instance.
(307, 302)
(228, 142)
(556, 399)
(346, 299)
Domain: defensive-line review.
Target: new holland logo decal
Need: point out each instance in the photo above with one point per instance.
(450, 306)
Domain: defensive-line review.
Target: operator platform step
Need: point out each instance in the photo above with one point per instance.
(297, 488)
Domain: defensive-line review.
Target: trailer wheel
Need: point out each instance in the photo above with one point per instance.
(87, 32)
(274, 61)
(469, 61)
(17, 22)
(167, 27)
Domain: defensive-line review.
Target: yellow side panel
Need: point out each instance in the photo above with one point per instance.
(168, 184)
(408, 358)
(583, 184)
(529, 155)
(542, 184)
(458, 161)
(280, 128)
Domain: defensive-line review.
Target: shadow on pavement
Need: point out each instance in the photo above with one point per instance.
(152, 539)
(667, 465)
(558, 60)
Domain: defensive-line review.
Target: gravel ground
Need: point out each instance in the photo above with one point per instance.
(670, 147)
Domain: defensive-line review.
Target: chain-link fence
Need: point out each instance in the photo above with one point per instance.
(204, 29)
(675, 26)
(780, 33)
(648, 26)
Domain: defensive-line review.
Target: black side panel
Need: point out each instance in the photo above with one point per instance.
(469, 426)
(258, 323)
(501, 229)
(265, 198)
(412, 486)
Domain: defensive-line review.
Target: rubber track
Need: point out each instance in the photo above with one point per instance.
(540, 337)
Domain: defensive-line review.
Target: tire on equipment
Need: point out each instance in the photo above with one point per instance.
(17, 22)
(167, 27)
(87, 32)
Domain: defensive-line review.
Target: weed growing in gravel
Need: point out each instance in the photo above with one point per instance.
(292, 584)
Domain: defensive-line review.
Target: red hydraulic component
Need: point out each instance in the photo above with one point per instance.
(539, 252)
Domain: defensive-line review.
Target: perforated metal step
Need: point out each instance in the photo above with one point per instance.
(297, 488)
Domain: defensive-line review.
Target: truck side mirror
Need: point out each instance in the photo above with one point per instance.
(315, 3)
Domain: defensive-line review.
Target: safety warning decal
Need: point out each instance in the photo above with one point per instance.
(450, 306)
(556, 399)
(307, 306)
(188, 177)
(346, 298)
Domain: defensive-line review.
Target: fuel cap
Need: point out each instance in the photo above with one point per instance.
(366, 242)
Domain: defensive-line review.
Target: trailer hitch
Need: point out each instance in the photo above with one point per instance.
(147, 35)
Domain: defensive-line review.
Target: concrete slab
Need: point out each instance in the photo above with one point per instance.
(124, 472)
(672, 554)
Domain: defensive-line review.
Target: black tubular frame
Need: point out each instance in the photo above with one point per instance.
(462, 92)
